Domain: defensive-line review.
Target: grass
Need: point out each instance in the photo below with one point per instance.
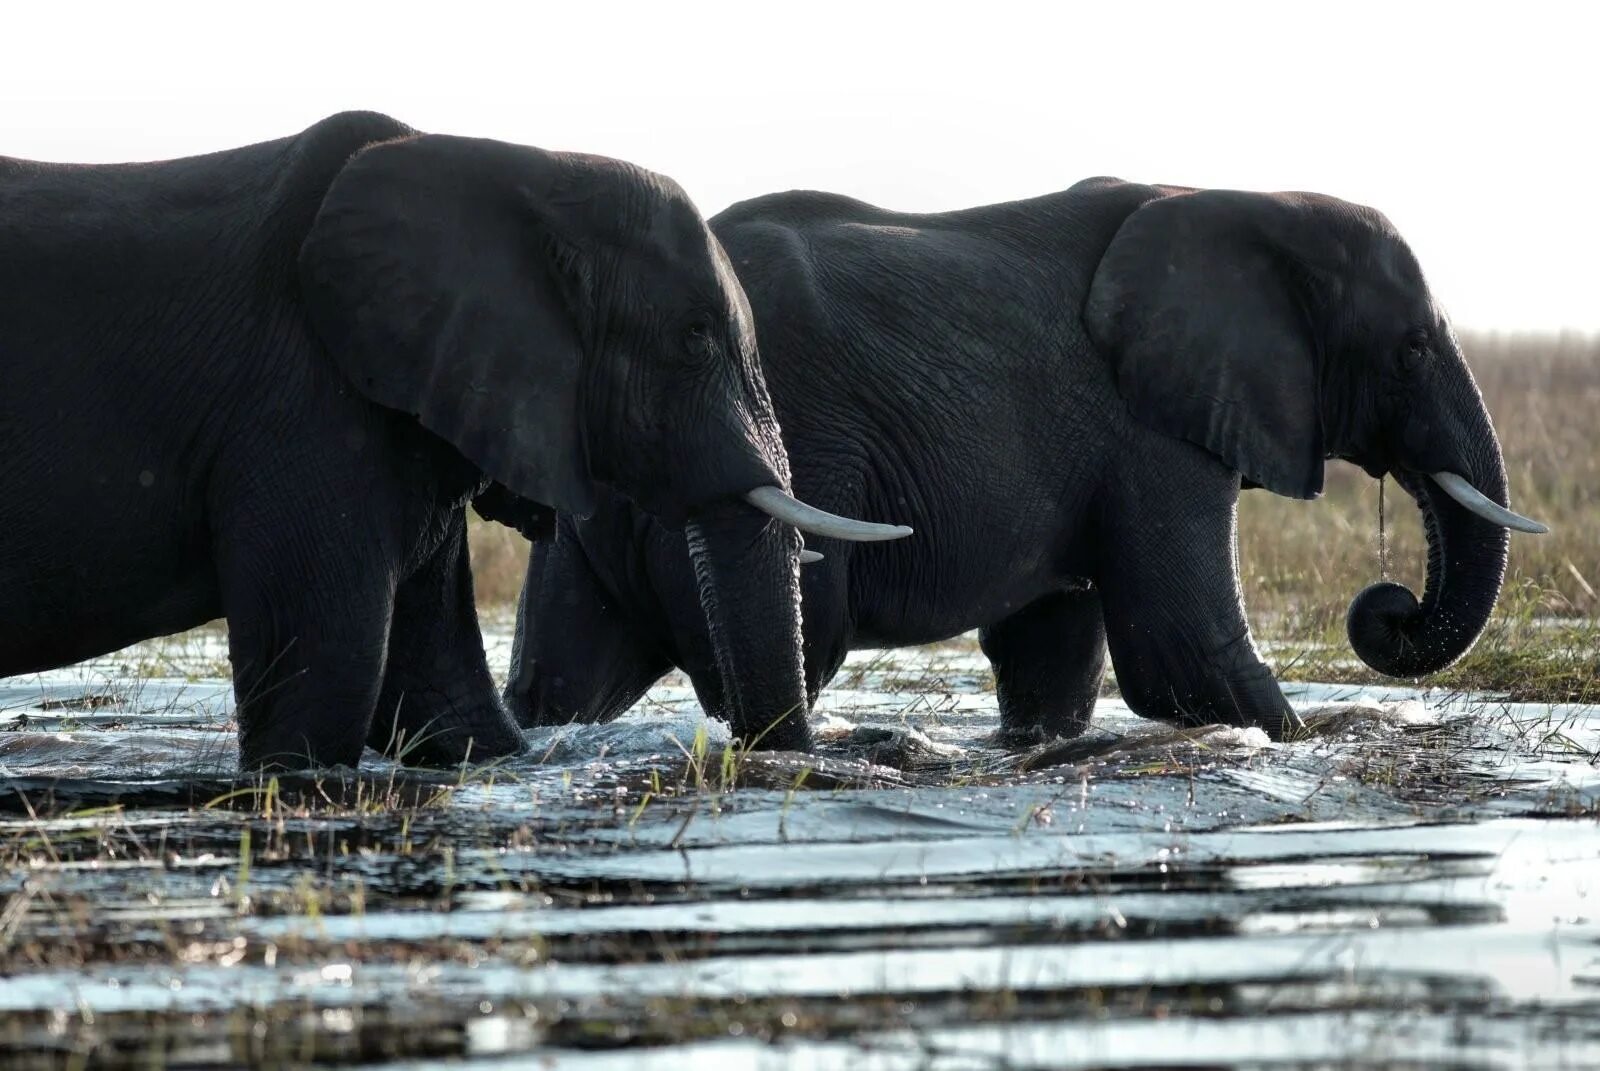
(499, 561)
(1304, 561)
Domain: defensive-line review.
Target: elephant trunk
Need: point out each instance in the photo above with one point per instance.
(1389, 629)
(747, 569)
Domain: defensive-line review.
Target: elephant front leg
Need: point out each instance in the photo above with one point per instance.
(1174, 615)
(577, 655)
(1049, 659)
(438, 705)
(308, 623)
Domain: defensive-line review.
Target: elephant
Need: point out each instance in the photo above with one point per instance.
(1067, 393)
(264, 384)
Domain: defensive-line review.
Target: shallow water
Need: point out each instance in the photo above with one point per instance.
(1415, 882)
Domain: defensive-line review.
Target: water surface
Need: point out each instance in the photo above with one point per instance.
(1416, 881)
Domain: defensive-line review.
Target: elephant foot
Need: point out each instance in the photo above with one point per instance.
(440, 735)
(1023, 736)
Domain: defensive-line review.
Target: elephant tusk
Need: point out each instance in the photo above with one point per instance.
(1477, 502)
(776, 504)
(809, 556)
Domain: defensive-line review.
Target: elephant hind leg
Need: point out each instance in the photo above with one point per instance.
(826, 626)
(438, 706)
(1049, 659)
(578, 655)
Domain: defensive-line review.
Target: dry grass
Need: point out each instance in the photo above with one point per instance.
(1303, 561)
(499, 560)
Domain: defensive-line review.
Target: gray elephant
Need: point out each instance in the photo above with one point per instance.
(1066, 394)
(263, 384)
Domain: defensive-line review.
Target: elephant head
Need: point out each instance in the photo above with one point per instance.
(1279, 330)
(566, 321)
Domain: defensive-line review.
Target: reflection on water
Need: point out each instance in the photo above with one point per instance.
(1414, 880)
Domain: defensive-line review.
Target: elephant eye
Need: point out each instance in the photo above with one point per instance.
(1414, 353)
(697, 335)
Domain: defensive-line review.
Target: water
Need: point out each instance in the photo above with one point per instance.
(1416, 883)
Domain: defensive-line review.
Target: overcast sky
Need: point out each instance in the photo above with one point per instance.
(1476, 131)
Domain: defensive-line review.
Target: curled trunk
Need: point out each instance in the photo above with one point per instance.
(747, 569)
(1395, 634)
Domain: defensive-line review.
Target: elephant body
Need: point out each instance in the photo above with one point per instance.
(179, 449)
(264, 384)
(983, 375)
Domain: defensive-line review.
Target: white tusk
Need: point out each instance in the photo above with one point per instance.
(774, 503)
(1475, 500)
(809, 556)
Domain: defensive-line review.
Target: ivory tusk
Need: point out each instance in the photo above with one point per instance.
(1477, 502)
(809, 556)
(809, 519)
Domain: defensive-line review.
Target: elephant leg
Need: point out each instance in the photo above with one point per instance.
(308, 626)
(1174, 616)
(577, 655)
(825, 625)
(438, 705)
(690, 639)
(1049, 659)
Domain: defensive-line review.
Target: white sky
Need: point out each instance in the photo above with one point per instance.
(1476, 130)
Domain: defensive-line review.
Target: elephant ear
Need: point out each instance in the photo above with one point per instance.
(1199, 306)
(434, 277)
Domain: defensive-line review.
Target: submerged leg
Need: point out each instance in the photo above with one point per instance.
(1175, 620)
(1049, 659)
(577, 655)
(308, 623)
(438, 705)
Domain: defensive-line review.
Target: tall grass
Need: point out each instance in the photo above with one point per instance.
(499, 561)
(1303, 561)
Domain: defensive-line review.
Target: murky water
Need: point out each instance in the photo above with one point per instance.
(1414, 884)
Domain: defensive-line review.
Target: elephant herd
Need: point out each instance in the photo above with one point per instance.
(266, 383)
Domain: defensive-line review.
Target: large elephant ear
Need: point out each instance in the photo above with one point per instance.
(433, 277)
(1197, 304)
